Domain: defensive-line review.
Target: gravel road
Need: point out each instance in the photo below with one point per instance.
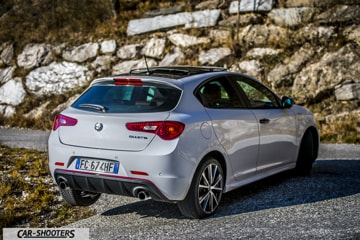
(324, 205)
(24, 138)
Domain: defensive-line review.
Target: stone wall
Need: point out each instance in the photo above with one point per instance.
(306, 49)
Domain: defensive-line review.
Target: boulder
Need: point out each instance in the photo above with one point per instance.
(7, 111)
(102, 63)
(197, 19)
(250, 6)
(349, 91)
(291, 17)
(126, 66)
(259, 53)
(184, 40)
(320, 78)
(6, 53)
(220, 36)
(333, 118)
(205, 18)
(6, 74)
(321, 35)
(174, 58)
(34, 55)
(58, 50)
(81, 53)
(154, 48)
(129, 51)
(12, 92)
(57, 78)
(213, 55)
(108, 47)
(252, 68)
(264, 36)
(284, 74)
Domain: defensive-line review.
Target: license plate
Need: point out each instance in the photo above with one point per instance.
(97, 165)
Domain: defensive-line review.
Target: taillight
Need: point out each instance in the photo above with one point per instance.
(166, 130)
(128, 81)
(62, 120)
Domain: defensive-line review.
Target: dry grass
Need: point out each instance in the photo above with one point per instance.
(28, 196)
(345, 129)
(69, 21)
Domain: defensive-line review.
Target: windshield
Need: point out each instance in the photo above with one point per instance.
(129, 99)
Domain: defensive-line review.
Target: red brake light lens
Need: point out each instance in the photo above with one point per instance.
(139, 173)
(166, 130)
(62, 120)
(128, 81)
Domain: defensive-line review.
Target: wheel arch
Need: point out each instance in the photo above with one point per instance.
(192, 206)
(218, 156)
(315, 138)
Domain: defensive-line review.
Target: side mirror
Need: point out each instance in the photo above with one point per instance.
(286, 102)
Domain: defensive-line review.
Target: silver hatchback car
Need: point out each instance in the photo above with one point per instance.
(177, 134)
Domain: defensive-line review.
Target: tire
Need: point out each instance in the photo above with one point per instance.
(204, 195)
(78, 197)
(306, 155)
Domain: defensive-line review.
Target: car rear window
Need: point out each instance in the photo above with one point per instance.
(129, 99)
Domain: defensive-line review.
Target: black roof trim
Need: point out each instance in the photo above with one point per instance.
(175, 71)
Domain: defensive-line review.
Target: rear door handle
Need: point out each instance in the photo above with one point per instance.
(264, 121)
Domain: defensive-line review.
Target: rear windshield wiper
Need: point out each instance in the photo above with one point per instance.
(94, 107)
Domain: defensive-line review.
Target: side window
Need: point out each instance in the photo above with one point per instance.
(150, 94)
(218, 93)
(258, 95)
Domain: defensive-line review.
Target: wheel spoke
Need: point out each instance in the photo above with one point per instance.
(204, 179)
(204, 200)
(210, 206)
(216, 189)
(210, 188)
(214, 202)
(217, 184)
(216, 199)
(214, 172)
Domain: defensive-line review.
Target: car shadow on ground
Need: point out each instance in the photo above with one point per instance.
(329, 179)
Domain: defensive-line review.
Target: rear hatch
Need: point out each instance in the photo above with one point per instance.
(108, 132)
(102, 112)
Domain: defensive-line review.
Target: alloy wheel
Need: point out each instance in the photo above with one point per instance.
(210, 188)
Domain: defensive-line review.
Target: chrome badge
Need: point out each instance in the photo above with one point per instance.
(98, 126)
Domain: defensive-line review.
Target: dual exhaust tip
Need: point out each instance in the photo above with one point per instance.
(138, 192)
(141, 193)
(63, 183)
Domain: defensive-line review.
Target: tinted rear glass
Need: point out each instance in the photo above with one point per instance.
(129, 99)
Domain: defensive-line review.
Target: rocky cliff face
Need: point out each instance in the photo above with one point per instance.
(305, 49)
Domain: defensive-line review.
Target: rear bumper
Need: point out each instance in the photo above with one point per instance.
(103, 183)
(168, 170)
